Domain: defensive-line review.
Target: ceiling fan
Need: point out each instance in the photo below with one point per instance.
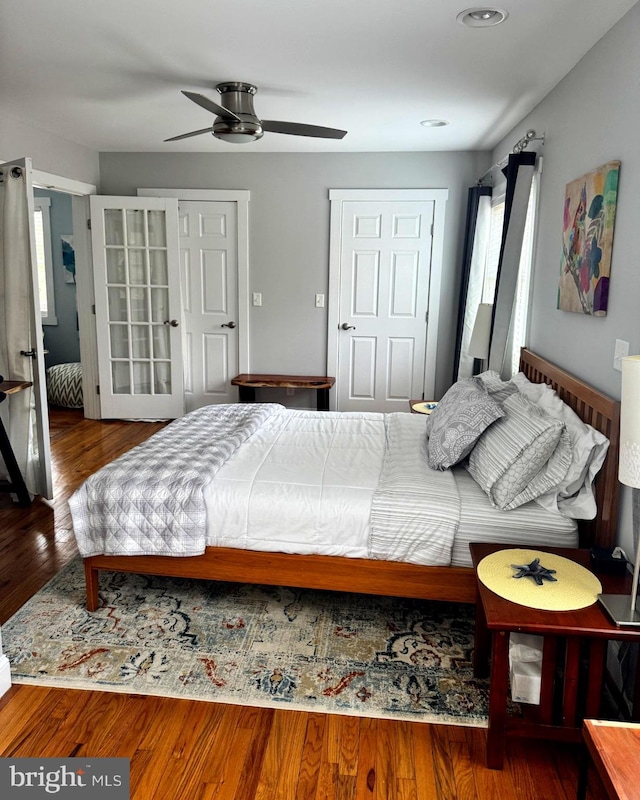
(236, 121)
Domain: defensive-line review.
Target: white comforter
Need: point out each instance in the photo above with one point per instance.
(350, 484)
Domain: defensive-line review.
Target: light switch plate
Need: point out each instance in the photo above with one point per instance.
(319, 301)
(620, 351)
(256, 299)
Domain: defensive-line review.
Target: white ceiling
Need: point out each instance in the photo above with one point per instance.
(108, 74)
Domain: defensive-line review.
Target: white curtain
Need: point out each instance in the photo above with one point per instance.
(519, 172)
(18, 413)
(475, 283)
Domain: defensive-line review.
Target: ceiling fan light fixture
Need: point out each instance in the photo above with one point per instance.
(434, 123)
(484, 17)
(236, 132)
(237, 138)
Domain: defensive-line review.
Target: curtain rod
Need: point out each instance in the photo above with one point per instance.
(518, 147)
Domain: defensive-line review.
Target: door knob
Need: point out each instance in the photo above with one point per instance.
(346, 327)
(228, 325)
(29, 353)
(173, 322)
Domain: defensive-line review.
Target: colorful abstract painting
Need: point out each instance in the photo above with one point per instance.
(587, 240)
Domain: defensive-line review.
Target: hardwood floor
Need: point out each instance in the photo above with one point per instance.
(196, 750)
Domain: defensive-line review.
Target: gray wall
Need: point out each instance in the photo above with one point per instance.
(48, 152)
(61, 340)
(289, 232)
(591, 117)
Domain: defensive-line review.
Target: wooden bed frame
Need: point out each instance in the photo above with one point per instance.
(389, 578)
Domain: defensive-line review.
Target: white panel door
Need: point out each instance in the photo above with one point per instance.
(138, 306)
(209, 270)
(385, 263)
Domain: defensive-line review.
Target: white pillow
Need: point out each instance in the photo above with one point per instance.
(574, 495)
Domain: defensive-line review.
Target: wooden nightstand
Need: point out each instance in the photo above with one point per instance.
(572, 638)
(427, 403)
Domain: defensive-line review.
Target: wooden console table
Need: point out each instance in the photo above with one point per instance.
(249, 382)
(15, 484)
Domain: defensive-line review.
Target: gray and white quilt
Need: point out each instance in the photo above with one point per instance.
(150, 500)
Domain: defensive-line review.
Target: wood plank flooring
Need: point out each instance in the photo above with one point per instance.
(196, 750)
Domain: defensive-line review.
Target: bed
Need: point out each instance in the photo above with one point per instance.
(380, 576)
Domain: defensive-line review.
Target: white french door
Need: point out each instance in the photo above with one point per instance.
(384, 279)
(138, 306)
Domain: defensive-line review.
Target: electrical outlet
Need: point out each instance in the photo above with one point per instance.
(319, 301)
(256, 298)
(620, 351)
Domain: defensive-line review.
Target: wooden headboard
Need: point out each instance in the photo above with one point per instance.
(602, 413)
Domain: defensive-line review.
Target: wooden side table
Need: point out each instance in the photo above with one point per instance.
(15, 484)
(568, 636)
(424, 403)
(249, 382)
(613, 748)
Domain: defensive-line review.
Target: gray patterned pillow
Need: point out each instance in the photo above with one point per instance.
(459, 419)
(524, 455)
(497, 388)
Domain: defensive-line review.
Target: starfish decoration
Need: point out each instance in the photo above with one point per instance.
(534, 570)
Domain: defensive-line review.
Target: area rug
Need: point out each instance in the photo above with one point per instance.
(251, 645)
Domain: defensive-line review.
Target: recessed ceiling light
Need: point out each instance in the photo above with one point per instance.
(481, 17)
(434, 123)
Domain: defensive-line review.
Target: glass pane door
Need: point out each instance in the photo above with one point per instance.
(137, 320)
(138, 291)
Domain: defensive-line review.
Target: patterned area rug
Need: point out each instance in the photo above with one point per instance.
(253, 645)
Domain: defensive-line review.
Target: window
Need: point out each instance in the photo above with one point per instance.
(42, 224)
(493, 250)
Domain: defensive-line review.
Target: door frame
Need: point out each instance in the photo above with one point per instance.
(80, 192)
(241, 198)
(336, 198)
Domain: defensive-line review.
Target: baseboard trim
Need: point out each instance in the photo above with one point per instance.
(5, 675)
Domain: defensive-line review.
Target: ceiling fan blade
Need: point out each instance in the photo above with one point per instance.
(209, 105)
(300, 129)
(188, 135)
